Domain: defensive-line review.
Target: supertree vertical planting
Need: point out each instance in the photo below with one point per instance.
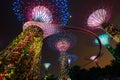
(62, 42)
(100, 19)
(21, 59)
(105, 41)
(32, 46)
(27, 10)
(63, 46)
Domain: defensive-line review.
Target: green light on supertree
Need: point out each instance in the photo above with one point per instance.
(21, 59)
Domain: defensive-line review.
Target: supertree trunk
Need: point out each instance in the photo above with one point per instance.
(64, 67)
(21, 59)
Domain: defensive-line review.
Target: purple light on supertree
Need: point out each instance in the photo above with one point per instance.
(42, 14)
(62, 45)
(97, 18)
(62, 41)
(26, 10)
(48, 29)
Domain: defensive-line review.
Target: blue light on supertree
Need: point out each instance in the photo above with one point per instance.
(58, 8)
(104, 38)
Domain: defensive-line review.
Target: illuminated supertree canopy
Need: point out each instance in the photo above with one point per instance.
(62, 41)
(97, 18)
(104, 38)
(62, 45)
(55, 11)
(42, 14)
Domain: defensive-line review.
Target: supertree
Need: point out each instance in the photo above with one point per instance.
(42, 19)
(46, 65)
(56, 10)
(26, 47)
(26, 41)
(100, 19)
(62, 42)
(21, 59)
(105, 41)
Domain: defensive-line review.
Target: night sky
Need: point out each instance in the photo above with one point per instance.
(80, 10)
